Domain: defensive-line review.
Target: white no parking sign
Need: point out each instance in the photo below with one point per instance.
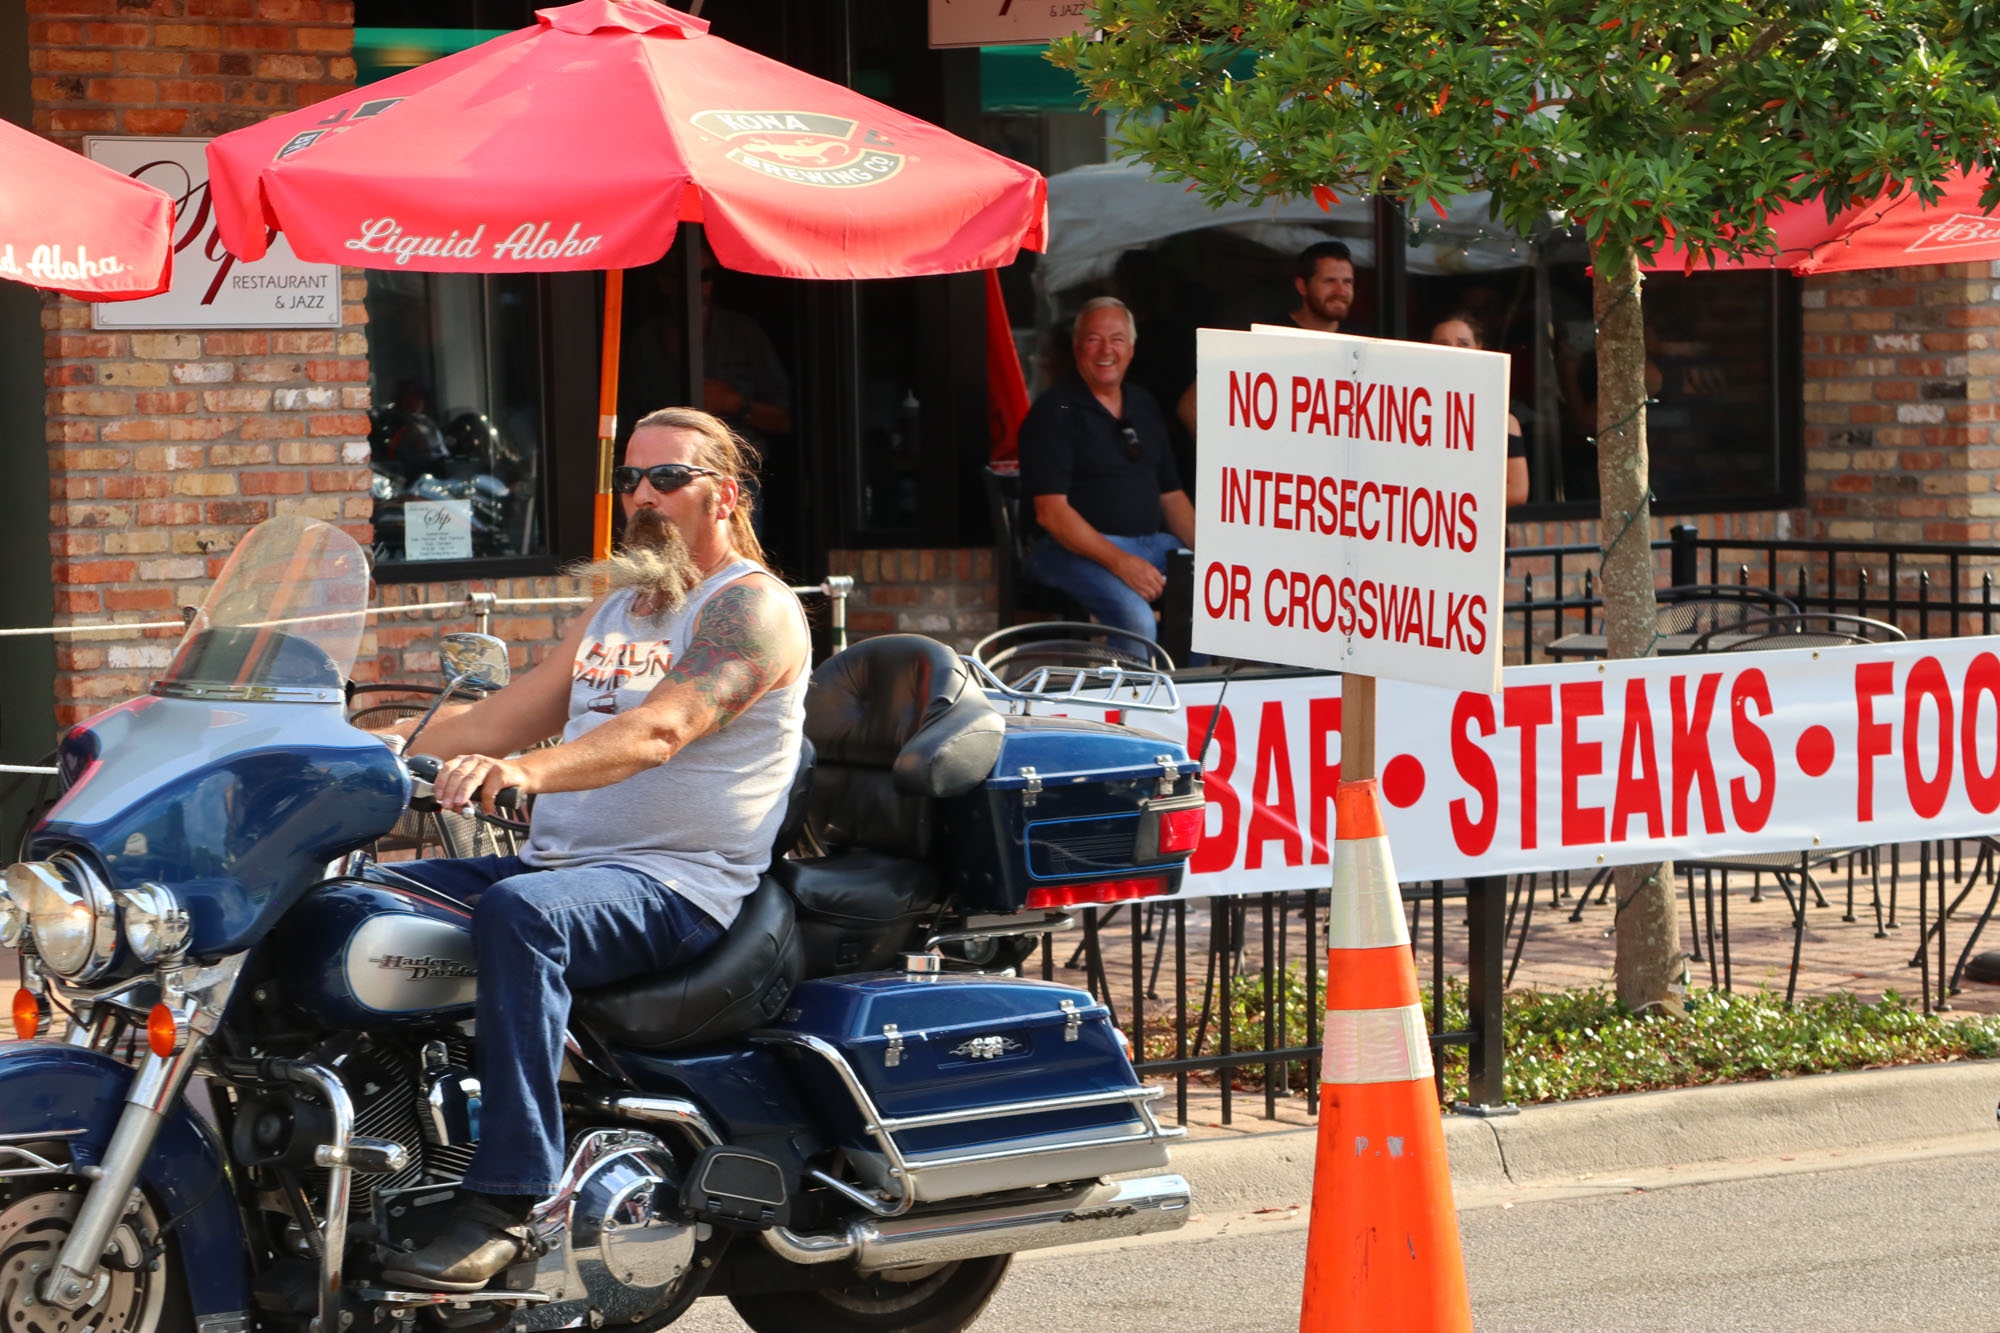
(1352, 505)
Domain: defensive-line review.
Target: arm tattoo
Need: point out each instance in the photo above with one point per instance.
(733, 654)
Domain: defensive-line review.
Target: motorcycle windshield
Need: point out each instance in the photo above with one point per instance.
(285, 616)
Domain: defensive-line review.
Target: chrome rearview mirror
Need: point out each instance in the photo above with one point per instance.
(479, 660)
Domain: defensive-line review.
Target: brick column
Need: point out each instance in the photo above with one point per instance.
(1899, 404)
(165, 447)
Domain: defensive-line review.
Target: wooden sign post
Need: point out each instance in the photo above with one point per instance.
(1357, 727)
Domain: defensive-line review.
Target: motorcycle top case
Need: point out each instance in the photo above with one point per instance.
(1070, 803)
(982, 1083)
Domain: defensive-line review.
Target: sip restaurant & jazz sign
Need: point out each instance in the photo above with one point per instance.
(1585, 764)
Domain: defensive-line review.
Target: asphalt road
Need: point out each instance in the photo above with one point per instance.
(1911, 1242)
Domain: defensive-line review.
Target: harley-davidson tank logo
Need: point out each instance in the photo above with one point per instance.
(804, 147)
(424, 969)
(985, 1048)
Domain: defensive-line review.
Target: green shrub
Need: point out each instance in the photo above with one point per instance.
(1582, 1043)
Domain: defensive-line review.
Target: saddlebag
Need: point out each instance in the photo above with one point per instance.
(976, 1084)
(1072, 813)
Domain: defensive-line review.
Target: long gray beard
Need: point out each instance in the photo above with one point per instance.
(653, 561)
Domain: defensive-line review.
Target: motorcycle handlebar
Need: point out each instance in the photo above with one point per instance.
(424, 770)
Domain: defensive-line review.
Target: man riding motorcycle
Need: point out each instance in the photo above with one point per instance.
(680, 701)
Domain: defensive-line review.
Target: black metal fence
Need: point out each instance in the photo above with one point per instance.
(1223, 996)
(1926, 589)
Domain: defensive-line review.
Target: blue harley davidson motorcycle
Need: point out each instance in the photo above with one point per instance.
(255, 1075)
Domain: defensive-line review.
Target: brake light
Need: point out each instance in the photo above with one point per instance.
(27, 1013)
(1180, 830)
(1097, 891)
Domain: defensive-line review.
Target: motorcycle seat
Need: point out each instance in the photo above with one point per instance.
(738, 984)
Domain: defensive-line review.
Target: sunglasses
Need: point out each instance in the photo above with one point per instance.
(1128, 442)
(664, 477)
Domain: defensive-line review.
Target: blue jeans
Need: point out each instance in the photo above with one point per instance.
(1102, 592)
(538, 935)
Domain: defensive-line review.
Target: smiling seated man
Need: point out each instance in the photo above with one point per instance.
(1098, 468)
(680, 698)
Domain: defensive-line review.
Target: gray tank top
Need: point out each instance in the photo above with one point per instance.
(703, 822)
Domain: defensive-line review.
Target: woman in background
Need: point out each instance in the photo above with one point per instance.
(1460, 329)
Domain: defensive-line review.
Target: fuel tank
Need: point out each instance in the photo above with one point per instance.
(369, 954)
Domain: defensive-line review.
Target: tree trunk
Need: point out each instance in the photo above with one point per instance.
(1650, 970)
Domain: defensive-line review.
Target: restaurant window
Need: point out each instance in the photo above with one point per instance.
(461, 371)
(1721, 349)
(456, 436)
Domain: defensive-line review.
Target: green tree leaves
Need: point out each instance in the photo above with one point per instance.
(1685, 121)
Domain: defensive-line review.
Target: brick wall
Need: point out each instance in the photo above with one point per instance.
(947, 594)
(406, 646)
(164, 447)
(1899, 404)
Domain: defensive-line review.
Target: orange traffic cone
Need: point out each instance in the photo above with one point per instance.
(1382, 1254)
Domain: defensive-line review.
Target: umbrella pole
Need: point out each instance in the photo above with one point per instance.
(607, 411)
(697, 332)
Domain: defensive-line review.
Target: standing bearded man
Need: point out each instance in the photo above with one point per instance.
(680, 699)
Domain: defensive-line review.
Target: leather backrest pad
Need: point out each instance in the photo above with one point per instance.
(896, 721)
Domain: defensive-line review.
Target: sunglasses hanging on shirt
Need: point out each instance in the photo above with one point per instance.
(1128, 441)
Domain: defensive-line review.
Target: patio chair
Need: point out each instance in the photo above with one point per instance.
(1701, 607)
(1803, 629)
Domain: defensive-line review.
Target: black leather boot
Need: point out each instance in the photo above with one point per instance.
(483, 1239)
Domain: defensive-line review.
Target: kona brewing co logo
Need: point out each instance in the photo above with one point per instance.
(334, 124)
(1959, 229)
(804, 147)
(425, 969)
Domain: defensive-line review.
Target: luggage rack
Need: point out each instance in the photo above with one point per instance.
(1092, 686)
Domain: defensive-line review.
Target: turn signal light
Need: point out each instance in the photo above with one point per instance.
(163, 1031)
(27, 1014)
(1098, 891)
(1180, 830)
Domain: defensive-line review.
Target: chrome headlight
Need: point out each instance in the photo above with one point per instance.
(156, 925)
(71, 915)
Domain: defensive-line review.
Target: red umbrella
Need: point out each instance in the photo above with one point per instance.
(1885, 232)
(75, 227)
(582, 142)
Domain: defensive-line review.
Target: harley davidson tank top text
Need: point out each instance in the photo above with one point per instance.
(703, 822)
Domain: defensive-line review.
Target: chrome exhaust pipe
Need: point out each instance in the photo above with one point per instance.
(1110, 1210)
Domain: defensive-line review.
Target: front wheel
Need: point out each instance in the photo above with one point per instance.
(139, 1289)
(932, 1298)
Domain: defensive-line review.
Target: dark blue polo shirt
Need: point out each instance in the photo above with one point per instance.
(1071, 446)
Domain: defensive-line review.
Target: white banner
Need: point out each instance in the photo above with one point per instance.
(1353, 496)
(1585, 764)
